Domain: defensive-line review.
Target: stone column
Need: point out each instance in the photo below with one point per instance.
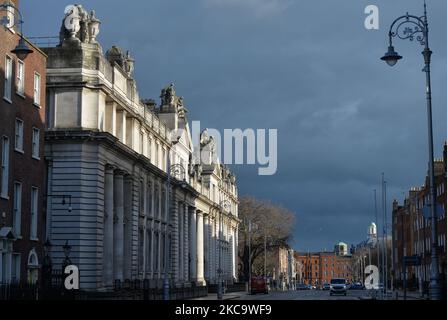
(107, 259)
(193, 244)
(128, 226)
(118, 228)
(175, 239)
(200, 253)
(181, 241)
(186, 242)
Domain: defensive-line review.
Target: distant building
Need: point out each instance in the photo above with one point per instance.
(341, 249)
(284, 270)
(318, 268)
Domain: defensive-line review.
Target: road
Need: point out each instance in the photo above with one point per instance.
(307, 295)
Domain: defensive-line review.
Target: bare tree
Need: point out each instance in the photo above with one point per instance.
(268, 221)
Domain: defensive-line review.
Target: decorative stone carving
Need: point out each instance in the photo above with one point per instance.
(129, 64)
(115, 54)
(168, 95)
(79, 25)
(93, 27)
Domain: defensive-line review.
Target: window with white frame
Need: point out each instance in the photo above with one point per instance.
(34, 212)
(35, 143)
(5, 168)
(37, 89)
(17, 217)
(8, 79)
(20, 77)
(19, 135)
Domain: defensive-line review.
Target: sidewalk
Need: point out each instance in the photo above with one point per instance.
(411, 295)
(226, 296)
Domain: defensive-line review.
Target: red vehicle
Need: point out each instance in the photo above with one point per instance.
(259, 285)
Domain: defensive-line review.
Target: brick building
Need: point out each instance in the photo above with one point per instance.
(320, 267)
(412, 231)
(22, 174)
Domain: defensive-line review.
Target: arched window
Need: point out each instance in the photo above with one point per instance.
(33, 267)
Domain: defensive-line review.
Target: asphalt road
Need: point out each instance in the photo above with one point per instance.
(307, 295)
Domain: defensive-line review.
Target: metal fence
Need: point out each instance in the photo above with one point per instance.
(128, 290)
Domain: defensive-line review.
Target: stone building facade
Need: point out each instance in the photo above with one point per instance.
(111, 153)
(22, 182)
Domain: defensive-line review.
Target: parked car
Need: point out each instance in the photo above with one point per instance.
(312, 287)
(326, 286)
(259, 285)
(302, 286)
(357, 286)
(338, 286)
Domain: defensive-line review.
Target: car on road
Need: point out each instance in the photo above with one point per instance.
(259, 285)
(326, 286)
(302, 286)
(338, 286)
(357, 286)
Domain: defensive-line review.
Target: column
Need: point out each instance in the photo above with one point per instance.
(175, 239)
(107, 259)
(121, 125)
(181, 247)
(118, 227)
(186, 242)
(151, 189)
(193, 244)
(200, 253)
(128, 226)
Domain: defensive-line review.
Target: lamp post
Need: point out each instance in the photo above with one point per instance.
(21, 50)
(46, 265)
(67, 249)
(413, 27)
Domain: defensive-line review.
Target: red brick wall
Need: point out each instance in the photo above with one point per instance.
(23, 168)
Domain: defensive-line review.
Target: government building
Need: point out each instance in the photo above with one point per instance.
(128, 197)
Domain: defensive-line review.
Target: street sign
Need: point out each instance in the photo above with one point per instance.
(412, 260)
(426, 210)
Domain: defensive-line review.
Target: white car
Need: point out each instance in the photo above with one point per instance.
(338, 286)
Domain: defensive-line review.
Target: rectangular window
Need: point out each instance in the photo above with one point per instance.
(36, 143)
(17, 218)
(19, 135)
(8, 79)
(15, 268)
(34, 212)
(20, 77)
(5, 168)
(141, 144)
(37, 89)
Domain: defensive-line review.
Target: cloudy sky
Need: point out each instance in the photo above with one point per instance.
(307, 68)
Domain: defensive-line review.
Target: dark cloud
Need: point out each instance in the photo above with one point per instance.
(309, 69)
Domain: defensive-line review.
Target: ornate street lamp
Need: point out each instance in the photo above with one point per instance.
(416, 28)
(21, 50)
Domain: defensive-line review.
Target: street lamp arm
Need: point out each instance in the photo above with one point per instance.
(409, 27)
(7, 7)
